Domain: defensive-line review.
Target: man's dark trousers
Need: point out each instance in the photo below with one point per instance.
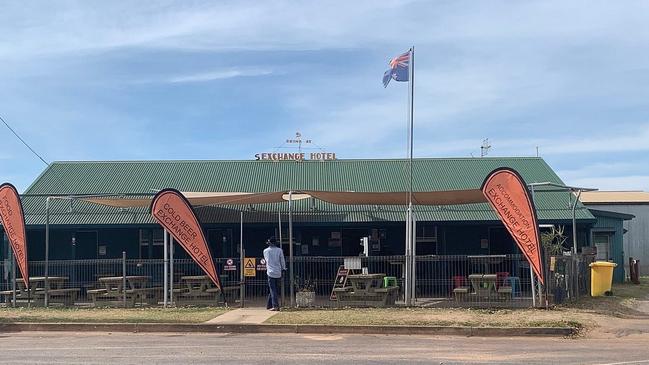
(273, 296)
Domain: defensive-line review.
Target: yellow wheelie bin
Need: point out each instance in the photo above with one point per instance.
(601, 277)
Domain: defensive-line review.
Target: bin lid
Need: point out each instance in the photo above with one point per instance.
(603, 264)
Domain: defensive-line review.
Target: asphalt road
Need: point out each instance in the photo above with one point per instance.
(125, 348)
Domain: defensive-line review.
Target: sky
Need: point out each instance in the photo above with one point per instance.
(141, 80)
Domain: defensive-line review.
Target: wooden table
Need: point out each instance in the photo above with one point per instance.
(199, 289)
(56, 291)
(113, 291)
(366, 290)
(484, 285)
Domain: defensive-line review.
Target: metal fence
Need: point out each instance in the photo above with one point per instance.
(441, 281)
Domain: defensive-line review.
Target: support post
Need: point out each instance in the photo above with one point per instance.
(290, 247)
(47, 250)
(281, 245)
(165, 274)
(124, 277)
(242, 278)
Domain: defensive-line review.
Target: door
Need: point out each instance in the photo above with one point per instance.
(85, 245)
(602, 241)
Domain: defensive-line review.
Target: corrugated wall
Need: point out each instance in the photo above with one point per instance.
(636, 240)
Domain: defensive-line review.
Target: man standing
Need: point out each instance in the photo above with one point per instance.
(275, 264)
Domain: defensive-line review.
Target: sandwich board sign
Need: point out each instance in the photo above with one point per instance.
(249, 267)
(341, 281)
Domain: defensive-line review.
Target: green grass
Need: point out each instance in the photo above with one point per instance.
(110, 315)
(620, 304)
(427, 317)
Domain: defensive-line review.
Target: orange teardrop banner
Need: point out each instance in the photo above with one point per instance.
(13, 223)
(507, 193)
(174, 212)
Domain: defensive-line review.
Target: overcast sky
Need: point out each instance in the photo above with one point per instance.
(137, 80)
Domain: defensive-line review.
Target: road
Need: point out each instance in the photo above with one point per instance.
(141, 348)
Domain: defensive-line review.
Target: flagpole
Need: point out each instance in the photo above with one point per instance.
(410, 260)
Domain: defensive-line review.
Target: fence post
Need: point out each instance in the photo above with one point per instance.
(124, 277)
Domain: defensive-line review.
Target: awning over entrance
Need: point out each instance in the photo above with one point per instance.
(448, 197)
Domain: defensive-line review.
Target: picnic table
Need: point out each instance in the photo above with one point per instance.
(56, 291)
(113, 291)
(484, 285)
(199, 289)
(366, 290)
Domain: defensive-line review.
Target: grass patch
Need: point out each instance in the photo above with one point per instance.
(429, 317)
(110, 315)
(621, 304)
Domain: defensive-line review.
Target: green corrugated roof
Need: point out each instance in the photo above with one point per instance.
(132, 177)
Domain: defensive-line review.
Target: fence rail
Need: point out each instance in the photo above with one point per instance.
(483, 281)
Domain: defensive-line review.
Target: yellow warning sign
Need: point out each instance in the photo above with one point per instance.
(249, 268)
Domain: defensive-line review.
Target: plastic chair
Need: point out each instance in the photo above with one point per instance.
(459, 281)
(515, 283)
(389, 281)
(501, 276)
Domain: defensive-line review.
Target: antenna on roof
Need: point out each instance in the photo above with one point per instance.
(484, 149)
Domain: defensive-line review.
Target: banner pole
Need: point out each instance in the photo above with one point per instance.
(13, 278)
(532, 285)
(171, 269)
(165, 268)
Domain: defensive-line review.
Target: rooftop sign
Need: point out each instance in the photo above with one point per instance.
(299, 155)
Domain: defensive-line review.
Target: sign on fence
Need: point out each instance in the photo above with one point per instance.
(261, 266)
(229, 265)
(249, 267)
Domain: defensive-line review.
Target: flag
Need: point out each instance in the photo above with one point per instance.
(399, 69)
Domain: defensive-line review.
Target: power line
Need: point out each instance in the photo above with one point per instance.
(23, 141)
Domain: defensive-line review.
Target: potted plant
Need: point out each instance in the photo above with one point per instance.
(305, 292)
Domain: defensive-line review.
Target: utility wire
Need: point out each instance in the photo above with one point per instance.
(23, 141)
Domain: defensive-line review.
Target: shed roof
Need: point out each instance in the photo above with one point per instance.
(615, 197)
(142, 178)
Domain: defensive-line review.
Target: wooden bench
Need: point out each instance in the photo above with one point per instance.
(65, 296)
(104, 298)
(461, 292)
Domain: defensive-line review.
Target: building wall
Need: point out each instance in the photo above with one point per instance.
(615, 227)
(636, 240)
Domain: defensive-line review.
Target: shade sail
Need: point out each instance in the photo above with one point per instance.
(195, 198)
(449, 197)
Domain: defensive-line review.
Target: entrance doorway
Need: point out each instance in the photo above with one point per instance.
(85, 245)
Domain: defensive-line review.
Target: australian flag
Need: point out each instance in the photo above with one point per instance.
(399, 69)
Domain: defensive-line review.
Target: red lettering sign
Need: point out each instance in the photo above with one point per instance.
(173, 211)
(507, 193)
(13, 223)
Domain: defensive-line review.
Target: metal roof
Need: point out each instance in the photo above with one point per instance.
(146, 177)
(615, 197)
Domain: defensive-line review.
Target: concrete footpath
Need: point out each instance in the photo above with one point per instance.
(243, 316)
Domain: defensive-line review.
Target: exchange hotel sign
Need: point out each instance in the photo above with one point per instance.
(295, 156)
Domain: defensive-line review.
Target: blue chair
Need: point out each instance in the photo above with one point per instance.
(515, 283)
